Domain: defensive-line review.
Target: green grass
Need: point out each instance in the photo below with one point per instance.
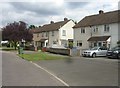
(40, 56)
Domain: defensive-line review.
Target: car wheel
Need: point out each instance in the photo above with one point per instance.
(94, 55)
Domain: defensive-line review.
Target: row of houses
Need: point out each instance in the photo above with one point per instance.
(95, 30)
(56, 34)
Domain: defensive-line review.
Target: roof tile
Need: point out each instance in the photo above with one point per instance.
(99, 19)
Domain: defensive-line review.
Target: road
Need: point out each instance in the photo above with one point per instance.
(74, 71)
(79, 71)
(19, 72)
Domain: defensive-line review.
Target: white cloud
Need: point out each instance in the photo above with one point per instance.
(90, 8)
(39, 13)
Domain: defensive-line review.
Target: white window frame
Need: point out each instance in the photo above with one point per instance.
(106, 28)
(37, 34)
(53, 33)
(63, 32)
(42, 34)
(82, 30)
(95, 30)
(79, 43)
(46, 34)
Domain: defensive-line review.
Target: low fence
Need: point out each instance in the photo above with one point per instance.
(59, 51)
(70, 52)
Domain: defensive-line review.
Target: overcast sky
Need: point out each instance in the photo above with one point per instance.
(42, 12)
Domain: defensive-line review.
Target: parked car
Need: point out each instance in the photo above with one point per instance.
(96, 51)
(114, 52)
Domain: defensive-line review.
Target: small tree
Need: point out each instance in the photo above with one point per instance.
(15, 32)
(70, 45)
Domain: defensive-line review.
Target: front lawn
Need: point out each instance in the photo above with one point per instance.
(40, 56)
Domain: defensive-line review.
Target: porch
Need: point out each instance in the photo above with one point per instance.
(98, 41)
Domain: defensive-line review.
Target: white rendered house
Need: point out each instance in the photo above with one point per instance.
(97, 30)
(57, 33)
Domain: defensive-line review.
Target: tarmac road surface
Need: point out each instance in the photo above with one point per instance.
(19, 72)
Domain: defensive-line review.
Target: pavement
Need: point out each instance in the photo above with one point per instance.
(19, 72)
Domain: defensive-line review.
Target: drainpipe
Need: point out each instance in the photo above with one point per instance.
(48, 38)
(91, 35)
(91, 31)
(59, 36)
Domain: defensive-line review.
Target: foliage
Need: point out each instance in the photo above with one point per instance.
(71, 44)
(15, 32)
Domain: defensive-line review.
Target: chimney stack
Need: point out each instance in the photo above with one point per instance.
(101, 12)
(65, 19)
(51, 22)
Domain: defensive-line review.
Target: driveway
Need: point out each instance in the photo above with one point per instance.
(80, 71)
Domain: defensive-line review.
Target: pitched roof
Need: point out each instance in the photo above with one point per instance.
(35, 30)
(53, 26)
(99, 19)
(49, 27)
(98, 38)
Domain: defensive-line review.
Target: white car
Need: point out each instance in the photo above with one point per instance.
(96, 51)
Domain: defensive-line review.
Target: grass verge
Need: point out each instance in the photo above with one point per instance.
(8, 49)
(40, 56)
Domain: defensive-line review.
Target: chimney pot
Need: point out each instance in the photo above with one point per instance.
(101, 11)
(65, 19)
(51, 22)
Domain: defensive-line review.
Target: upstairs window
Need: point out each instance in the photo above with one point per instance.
(95, 29)
(106, 28)
(52, 33)
(42, 34)
(63, 32)
(82, 30)
(46, 34)
(37, 34)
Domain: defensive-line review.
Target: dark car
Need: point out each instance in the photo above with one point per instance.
(114, 52)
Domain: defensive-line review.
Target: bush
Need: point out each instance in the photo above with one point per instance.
(71, 45)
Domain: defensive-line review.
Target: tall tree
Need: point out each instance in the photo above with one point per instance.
(15, 32)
